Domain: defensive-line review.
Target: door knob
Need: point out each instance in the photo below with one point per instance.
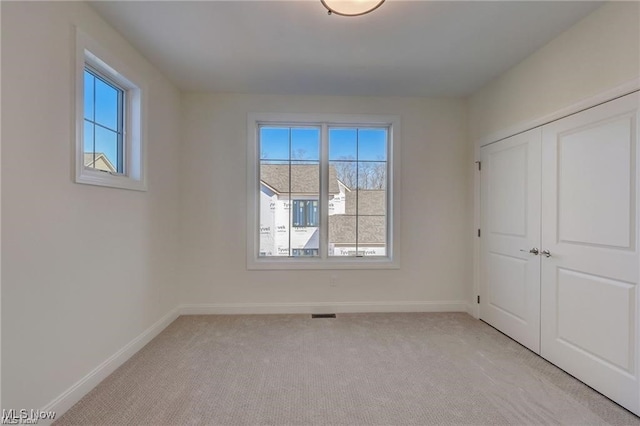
(546, 253)
(532, 251)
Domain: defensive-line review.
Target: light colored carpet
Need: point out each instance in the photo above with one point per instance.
(357, 369)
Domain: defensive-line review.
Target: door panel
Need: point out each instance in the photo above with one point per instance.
(606, 319)
(510, 223)
(508, 278)
(589, 298)
(595, 183)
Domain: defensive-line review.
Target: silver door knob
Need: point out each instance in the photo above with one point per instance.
(532, 251)
(546, 253)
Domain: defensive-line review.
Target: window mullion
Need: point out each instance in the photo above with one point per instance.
(93, 128)
(357, 187)
(324, 192)
(290, 197)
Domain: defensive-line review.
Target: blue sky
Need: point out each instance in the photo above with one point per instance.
(101, 106)
(364, 144)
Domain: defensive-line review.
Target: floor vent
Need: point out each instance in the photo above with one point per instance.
(323, 315)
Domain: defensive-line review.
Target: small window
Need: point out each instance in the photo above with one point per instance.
(305, 213)
(109, 115)
(321, 192)
(304, 252)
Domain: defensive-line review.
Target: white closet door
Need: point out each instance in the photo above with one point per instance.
(510, 224)
(589, 299)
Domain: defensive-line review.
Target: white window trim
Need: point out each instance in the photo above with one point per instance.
(391, 261)
(88, 51)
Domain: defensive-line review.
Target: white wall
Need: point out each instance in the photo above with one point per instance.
(85, 269)
(599, 53)
(435, 230)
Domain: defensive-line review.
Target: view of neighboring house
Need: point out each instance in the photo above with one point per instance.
(290, 214)
(98, 160)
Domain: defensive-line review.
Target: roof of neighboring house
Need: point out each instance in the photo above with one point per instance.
(369, 201)
(372, 226)
(305, 178)
(97, 160)
(371, 229)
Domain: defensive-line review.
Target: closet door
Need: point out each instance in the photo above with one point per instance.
(510, 224)
(589, 299)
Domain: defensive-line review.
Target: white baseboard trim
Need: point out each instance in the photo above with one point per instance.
(79, 389)
(473, 310)
(321, 307)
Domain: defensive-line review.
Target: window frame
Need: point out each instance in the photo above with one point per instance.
(325, 121)
(90, 54)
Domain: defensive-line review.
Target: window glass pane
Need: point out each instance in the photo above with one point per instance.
(342, 235)
(372, 235)
(372, 223)
(88, 95)
(343, 144)
(106, 105)
(372, 144)
(305, 144)
(342, 208)
(371, 203)
(305, 238)
(274, 209)
(106, 143)
(274, 143)
(346, 172)
(372, 175)
(88, 142)
(305, 179)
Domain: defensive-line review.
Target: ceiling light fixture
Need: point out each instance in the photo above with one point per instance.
(351, 7)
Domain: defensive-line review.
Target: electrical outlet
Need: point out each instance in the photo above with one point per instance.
(333, 281)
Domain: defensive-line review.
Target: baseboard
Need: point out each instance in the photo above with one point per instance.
(72, 395)
(320, 307)
(473, 310)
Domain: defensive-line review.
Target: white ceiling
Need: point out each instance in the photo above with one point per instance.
(405, 48)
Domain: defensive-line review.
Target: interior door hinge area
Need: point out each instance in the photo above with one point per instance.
(478, 232)
(478, 298)
(479, 163)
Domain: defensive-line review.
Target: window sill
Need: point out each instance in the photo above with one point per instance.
(100, 178)
(321, 264)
